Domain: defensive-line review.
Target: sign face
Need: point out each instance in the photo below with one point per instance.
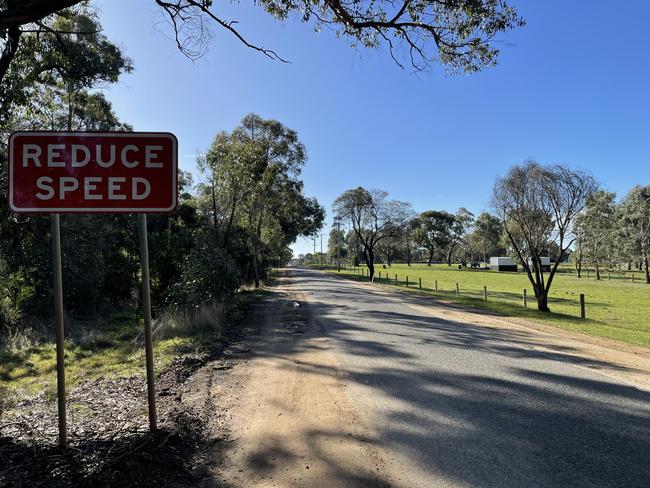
(92, 172)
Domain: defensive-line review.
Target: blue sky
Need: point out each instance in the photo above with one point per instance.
(573, 86)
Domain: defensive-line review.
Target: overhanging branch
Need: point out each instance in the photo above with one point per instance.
(182, 10)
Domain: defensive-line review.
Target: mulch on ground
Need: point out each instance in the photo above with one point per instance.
(109, 440)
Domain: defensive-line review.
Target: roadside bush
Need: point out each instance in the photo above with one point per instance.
(14, 292)
(208, 277)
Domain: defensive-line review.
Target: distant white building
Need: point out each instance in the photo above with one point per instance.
(546, 263)
(502, 263)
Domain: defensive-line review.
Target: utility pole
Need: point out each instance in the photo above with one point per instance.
(321, 250)
(338, 246)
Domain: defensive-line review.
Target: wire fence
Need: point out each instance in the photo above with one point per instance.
(470, 292)
(588, 272)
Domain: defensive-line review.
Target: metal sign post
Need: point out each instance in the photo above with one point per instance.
(94, 172)
(146, 306)
(58, 311)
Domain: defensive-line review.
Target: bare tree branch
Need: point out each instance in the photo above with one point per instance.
(183, 10)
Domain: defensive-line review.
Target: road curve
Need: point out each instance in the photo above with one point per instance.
(355, 386)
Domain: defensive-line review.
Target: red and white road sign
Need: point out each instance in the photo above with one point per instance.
(92, 172)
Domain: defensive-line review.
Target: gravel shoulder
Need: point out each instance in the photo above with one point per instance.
(289, 418)
(349, 384)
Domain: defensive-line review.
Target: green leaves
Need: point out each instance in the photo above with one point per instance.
(46, 85)
(255, 190)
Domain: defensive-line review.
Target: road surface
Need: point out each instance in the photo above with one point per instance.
(353, 385)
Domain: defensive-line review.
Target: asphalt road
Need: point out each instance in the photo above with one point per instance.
(446, 402)
(463, 405)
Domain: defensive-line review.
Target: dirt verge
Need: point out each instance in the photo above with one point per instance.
(109, 441)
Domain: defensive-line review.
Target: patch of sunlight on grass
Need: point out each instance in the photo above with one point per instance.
(112, 350)
(28, 372)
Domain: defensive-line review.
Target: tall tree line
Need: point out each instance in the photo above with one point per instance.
(225, 232)
(536, 211)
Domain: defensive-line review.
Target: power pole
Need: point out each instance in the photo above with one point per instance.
(338, 246)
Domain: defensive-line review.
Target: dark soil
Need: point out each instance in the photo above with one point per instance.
(109, 440)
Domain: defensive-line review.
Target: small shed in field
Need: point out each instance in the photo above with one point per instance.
(502, 263)
(545, 261)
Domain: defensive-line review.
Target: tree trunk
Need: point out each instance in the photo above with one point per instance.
(647, 272)
(231, 217)
(370, 261)
(256, 276)
(214, 215)
(430, 257)
(542, 303)
(11, 47)
(256, 238)
(597, 271)
(542, 300)
(579, 268)
(451, 253)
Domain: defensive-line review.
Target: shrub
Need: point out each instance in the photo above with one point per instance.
(208, 277)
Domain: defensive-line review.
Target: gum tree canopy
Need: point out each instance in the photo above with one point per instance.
(538, 206)
(373, 218)
(456, 33)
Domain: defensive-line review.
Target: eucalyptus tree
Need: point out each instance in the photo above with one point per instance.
(407, 216)
(50, 77)
(48, 86)
(433, 232)
(635, 223)
(578, 254)
(337, 247)
(458, 34)
(400, 245)
(388, 249)
(486, 236)
(463, 221)
(595, 229)
(372, 217)
(255, 189)
(538, 205)
(355, 249)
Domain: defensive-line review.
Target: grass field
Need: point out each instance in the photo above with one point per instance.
(114, 353)
(112, 350)
(617, 309)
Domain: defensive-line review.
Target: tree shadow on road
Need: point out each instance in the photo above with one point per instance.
(533, 424)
